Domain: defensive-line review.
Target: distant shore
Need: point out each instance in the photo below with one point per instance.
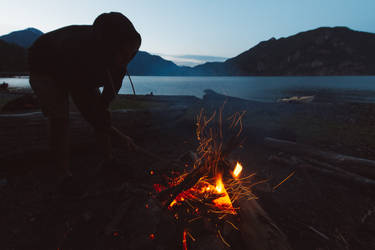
(14, 74)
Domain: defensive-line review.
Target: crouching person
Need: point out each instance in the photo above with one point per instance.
(75, 61)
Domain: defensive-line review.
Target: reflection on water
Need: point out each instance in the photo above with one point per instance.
(266, 89)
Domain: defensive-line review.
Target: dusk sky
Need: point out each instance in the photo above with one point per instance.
(195, 27)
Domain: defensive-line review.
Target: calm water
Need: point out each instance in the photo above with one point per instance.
(267, 89)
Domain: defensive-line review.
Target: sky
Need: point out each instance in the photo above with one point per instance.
(173, 28)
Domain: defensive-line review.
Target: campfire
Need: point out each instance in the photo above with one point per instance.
(211, 188)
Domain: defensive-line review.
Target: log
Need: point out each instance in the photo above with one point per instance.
(348, 178)
(357, 165)
(258, 230)
(328, 170)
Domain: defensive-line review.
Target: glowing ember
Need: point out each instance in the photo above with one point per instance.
(152, 236)
(237, 170)
(172, 203)
(184, 241)
(158, 188)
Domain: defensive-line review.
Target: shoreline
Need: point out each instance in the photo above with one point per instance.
(264, 89)
(332, 124)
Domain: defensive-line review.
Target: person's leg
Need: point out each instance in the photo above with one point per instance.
(59, 144)
(55, 105)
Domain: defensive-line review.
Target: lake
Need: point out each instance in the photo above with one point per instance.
(265, 89)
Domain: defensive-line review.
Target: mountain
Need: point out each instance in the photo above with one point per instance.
(12, 58)
(23, 38)
(323, 51)
(146, 64)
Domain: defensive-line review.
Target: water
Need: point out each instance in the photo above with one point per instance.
(265, 89)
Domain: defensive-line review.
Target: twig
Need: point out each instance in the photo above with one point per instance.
(317, 232)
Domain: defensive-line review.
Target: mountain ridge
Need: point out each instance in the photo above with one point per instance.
(321, 51)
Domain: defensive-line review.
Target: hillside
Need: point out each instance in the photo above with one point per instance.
(12, 58)
(23, 38)
(146, 64)
(323, 51)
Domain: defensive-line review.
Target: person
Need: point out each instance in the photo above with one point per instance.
(76, 61)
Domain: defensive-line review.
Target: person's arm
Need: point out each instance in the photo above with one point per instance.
(112, 85)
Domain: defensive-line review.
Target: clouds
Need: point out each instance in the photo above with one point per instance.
(191, 60)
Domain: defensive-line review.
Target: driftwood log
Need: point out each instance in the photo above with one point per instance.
(327, 170)
(357, 165)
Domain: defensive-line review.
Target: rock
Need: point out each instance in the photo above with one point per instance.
(297, 99)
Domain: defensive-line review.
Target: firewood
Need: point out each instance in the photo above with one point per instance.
(189, 181)
(192, 178)
(357, 165)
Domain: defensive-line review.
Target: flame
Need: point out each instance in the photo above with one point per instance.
(237, 170)
(219, 185)
(223, 201)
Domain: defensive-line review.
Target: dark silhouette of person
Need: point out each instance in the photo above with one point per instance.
(75, 61)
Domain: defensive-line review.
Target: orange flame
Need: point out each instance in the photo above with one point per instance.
(223, 201)
(219, 185)
(237, 170)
